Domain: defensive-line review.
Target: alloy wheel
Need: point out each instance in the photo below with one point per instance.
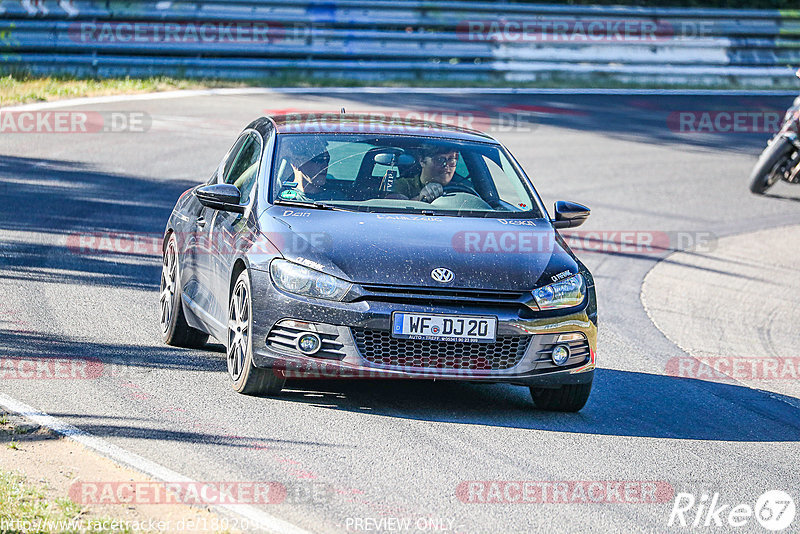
(238, 330)
(169, 276)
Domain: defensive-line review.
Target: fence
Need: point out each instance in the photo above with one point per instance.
(404, 39)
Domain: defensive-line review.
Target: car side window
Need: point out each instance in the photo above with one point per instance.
(461, 168)
(243, 170)
(227, 161)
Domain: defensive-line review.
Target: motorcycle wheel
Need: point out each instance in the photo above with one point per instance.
(765, 173)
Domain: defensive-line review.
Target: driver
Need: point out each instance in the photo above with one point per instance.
(437, 170)
(309, 159)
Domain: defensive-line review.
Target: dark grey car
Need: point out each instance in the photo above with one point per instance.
(339, 247)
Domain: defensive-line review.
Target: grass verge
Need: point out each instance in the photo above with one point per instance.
(26, 508)
(23, 88)
(42, 469)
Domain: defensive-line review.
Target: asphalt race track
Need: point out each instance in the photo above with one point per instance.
(365, 450)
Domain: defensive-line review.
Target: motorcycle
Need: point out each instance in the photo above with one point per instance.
(781, 159)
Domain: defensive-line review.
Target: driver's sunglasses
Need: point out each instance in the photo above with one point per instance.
(443, 161)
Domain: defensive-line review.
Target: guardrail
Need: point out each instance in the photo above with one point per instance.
(409, 39)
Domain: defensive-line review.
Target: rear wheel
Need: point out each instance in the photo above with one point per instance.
(247, 378)
(567, 398)
(769, 168)
(174, 328)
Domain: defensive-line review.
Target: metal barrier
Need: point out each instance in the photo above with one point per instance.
(407, 39)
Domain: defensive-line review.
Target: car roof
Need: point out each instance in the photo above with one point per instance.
(355, 123)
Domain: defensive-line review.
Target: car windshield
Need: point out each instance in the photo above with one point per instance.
(400, 174)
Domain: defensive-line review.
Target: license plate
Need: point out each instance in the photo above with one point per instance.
(467, 328)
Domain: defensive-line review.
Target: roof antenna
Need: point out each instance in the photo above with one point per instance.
(343, 111)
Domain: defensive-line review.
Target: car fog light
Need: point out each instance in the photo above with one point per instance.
(309, 343)
(560, 354)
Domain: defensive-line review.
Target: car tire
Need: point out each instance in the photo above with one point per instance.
(567, 398)
(764, 173)
(175, 330)
(245, 376)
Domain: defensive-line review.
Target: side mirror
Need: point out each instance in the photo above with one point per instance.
(224, 197)
(570, 214)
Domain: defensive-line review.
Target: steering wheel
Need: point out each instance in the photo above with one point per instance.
(460, 188)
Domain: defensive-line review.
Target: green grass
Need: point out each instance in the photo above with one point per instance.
(18, 88)
(22, 88)
(22, 502)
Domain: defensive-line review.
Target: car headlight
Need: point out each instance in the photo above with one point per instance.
(562, 294)
(294, 278)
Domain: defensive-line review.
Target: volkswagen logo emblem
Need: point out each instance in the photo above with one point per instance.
(442, 275)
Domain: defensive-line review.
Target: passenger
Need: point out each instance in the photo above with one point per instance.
(309, 160)
(437, 170)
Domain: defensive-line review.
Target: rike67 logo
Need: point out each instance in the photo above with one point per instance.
(774, 510)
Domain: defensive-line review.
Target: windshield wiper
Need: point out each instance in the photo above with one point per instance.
(310, 204)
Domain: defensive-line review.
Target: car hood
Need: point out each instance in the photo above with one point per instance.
(400, 249)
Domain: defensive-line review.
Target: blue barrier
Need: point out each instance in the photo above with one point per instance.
(403, 38)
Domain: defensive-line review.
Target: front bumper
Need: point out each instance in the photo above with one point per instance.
(343, 325)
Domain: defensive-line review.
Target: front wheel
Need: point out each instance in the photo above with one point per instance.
(770, 165)
(567, 398)
(247, 378)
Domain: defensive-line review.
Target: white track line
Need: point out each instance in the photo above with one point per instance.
(234, 91)
(257, 518)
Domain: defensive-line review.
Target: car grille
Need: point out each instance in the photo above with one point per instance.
(428, 295)
(379, 347)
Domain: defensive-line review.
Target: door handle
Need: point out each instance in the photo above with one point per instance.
(201, 221)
